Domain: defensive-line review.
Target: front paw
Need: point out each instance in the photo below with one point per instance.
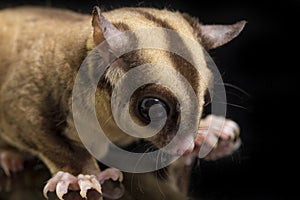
(217, 137)
(62, 182)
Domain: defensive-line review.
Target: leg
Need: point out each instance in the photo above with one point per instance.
(69, 162)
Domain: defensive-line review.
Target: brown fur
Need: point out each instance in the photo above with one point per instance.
(40, 52)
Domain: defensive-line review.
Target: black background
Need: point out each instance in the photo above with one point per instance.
(263, 62)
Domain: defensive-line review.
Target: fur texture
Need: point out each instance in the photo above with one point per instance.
(41, 51)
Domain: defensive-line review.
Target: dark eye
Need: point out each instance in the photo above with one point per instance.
(157, 111)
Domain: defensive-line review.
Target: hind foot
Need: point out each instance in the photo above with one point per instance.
(11, 161)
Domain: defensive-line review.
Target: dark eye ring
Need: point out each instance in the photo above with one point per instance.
(158, 111)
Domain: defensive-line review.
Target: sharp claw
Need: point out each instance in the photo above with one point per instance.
(6, 170)
(117, 175)
(62, 182)
(49, 187)
(4, 165)
(83, 193)
(46, 190)
(53, 184)
(61, 189)
(121, 177)
(96, 184)
(84, 185)
(10, 161)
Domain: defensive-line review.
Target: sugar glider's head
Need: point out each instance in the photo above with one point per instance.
(167, 77)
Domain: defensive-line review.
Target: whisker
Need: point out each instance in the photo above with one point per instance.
(106, 122)
(143, 154)
(60, 122)
(160, 190)
(163, 172)
(132, 178)
(131, 182)
(234, 94)
(217, 97)
(233, 105)
(140, 185)
(237, 88)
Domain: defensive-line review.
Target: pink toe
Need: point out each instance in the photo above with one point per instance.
(110, 173)
(48, 188)
(62, 189)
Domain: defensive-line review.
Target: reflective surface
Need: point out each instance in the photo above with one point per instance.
(29, 184)
(226, 179)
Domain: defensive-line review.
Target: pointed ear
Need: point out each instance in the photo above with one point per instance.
(97, 33)
(105, 30)
(217, 35)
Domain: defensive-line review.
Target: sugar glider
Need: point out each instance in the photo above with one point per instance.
(41, 50)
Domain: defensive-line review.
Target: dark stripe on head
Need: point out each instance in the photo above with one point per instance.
(153, 18)
(191, 73)
(121, 26)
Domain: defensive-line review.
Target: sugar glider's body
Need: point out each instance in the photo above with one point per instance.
(40, 53)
